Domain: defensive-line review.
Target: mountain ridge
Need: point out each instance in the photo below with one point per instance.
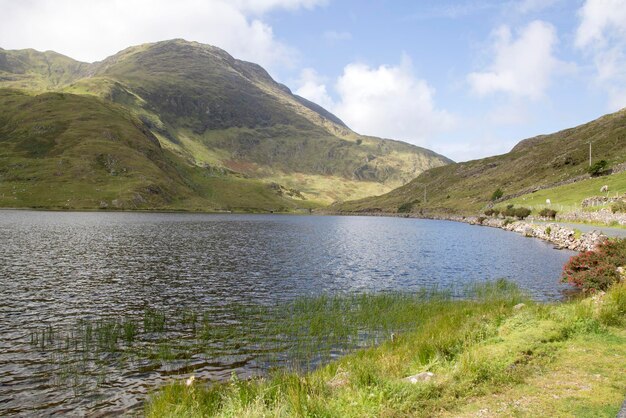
(213, 110)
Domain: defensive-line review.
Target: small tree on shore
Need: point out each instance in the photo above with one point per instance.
(596, 270)
(509, 211)
(497, 194)
(547, 213)
(405, 207)
(522, 213)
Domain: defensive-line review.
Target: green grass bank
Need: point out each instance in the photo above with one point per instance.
(497, 353)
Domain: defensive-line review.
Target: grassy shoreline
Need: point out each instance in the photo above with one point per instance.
(490, 356)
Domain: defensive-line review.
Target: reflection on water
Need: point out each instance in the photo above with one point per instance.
(56, 268)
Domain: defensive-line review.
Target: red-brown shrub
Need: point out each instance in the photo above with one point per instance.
(596, 270)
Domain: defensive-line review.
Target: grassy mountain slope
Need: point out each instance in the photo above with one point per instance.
(29, 69)
(67, 151)
(535, 163)
(219, 112)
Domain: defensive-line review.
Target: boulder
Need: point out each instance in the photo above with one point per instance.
(339, 380)
(420, 377)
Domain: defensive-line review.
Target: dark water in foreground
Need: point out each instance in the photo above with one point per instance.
(56, 268)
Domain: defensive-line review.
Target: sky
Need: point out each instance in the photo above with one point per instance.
(467, 79)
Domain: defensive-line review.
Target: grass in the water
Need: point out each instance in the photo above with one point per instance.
(299, 335)
(488, 357)
(154, 321)
(479, 349)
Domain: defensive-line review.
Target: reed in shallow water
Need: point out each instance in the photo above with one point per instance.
(488, 353)
(302, 334)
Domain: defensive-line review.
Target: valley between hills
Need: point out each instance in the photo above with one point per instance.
(179, 125)
(241, 302)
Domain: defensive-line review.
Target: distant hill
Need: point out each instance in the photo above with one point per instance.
(225, 115)
(536, 163)
(65, 151)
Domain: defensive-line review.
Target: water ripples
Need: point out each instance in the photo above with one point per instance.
(58, 268)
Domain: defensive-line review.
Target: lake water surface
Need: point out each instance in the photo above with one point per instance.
(59, 267)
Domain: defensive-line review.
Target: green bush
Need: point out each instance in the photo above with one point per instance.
(480, 219)
(613, 310)
(497, 194)
(405, 207)
(619, 207)
(509, 211)
(522, 213)
(598, 167)
(508, 221)
(492, 212)
(548, 231)
(547, 213)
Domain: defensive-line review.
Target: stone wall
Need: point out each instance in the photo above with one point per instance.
(601, 200)
(603, 216)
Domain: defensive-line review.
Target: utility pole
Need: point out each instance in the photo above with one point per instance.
(589, 153)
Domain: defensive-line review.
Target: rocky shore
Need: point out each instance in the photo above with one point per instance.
(562, 237)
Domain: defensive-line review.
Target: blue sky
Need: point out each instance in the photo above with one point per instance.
(467, 79)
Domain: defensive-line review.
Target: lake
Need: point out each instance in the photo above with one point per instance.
(58, 268)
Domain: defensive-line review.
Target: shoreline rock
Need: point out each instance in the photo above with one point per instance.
(562, 237)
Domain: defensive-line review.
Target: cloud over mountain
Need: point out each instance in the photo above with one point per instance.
(522, 65)
(388, 101)
(92, 30)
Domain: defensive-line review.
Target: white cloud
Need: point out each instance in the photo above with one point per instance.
(522, 66)
(313, 87)
(92, 30)
(601, 19)
(388, 101)
(602, 35)
(611, 76)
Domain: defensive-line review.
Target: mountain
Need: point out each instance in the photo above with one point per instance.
(542, 162)
(66, 151)
(218, 113)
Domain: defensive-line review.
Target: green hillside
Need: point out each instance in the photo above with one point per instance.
(220, 113)
(33, 70)
(538, 163)
(67, 151)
